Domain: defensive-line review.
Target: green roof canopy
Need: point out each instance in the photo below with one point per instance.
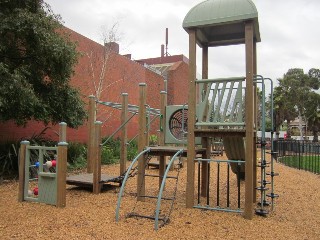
(221, 22)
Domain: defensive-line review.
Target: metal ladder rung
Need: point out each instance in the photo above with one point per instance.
(272, 174)
(163, 198)
(153, 175)
(272, 195)
(265, 182)
(272, 152)
(145, 216)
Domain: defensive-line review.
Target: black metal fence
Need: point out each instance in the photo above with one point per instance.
(298, 154)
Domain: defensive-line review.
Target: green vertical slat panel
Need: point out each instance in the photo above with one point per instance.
(220, 98)
(203, 103)
(215, 91)
(239, 97)
(227, 102)
(231, 97)
(237, 103)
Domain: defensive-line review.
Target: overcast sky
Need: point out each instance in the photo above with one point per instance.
(289, 31)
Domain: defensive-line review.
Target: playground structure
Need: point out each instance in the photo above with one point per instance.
(94, 178)
(42, 172)
(213, 24)
(216, 109)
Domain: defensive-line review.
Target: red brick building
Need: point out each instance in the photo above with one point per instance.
(103, 72)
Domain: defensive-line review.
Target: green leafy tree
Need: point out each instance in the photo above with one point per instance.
(283, 109)
(36, 63)
(313, 114)
(292, 96)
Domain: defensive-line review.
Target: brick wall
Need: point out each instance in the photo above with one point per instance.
(121, 75)
(178, 88)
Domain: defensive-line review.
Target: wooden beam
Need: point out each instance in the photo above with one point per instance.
(205, 140)
(97, 159)
(191, 119)
(201, 37)
(249, 119)
(163, 104)
(22, 163)
(162, 159)
(91, 136)
(62, 165)
(256, 107)
(62, 132)
(141, 140)
(62, 173)
(124, 134)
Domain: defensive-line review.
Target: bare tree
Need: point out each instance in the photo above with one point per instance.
(109, 37)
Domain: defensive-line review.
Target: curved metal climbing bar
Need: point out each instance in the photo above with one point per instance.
(125, 180)
(156, 224)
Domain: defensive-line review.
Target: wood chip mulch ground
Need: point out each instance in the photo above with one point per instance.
(296, 214)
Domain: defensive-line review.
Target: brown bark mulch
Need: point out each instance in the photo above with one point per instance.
(88, 216)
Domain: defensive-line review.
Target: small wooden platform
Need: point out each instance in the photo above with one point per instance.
(86, 179)
(170, 151)
(219, 132)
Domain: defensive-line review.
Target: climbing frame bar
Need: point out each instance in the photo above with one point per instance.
(162, 186)
(127, 175)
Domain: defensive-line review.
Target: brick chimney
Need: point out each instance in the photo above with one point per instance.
(127, 56)
(162, 50)
(112, 46)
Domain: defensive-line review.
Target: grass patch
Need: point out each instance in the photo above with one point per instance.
(308, 163)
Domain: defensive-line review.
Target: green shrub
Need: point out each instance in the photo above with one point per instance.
(109, 156)
(9, 159)
(77, 153)
(110, 152)
(132, 150)
(153, 140)
(9, 153)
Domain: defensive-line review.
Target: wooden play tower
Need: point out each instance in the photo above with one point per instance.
(215, 23)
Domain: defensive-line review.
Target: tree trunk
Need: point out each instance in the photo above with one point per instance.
(288, 130)
(276, 137)
(315, 134)
(300, 126)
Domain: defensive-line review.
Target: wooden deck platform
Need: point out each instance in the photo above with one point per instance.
(170, 151)
(219, 132)
(86, 179)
